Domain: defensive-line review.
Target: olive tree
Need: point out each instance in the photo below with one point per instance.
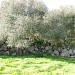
(16, 21)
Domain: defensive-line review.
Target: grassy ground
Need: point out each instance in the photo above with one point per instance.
(31, 65)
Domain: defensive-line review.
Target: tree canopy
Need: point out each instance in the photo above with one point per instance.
(22, 19)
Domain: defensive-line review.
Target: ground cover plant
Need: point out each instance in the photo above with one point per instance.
(33, 65)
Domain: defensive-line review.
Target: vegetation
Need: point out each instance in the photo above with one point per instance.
(28, 26)
(32, 65)
(23, 22)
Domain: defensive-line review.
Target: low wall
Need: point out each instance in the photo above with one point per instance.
(65, 52)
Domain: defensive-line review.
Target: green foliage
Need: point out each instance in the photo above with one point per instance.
(73, 43)
(16, 20)
(37, 42)
(60, 24)
(3, 41)
(23, 19)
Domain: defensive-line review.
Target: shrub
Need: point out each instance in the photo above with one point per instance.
(37, 42)
(73, 43)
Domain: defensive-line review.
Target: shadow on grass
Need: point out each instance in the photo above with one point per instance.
(63, 59)
(56, 58)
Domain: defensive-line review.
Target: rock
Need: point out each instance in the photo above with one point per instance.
(48, 47)
(64, 50)
(62, 54)
(17, 52)
(50, 51)
(59, 50)
(5, 47)
(70, 52)
(56, 52)
(52, 54)
(12, 50)
(73, 56)
(7, 53)
(31, 49)
(65, 54)
(36, 49)
(34, 52)
(73, 51)
(43, 50)
(24, 51)
(42, 47)
(20, 52)
(1, 49)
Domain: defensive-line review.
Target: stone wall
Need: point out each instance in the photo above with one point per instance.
(65, 52)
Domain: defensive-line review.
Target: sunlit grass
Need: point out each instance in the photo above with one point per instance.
(32, 65)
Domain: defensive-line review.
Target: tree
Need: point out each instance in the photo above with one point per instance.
(59, 24)
(16, 19)
(68, 15)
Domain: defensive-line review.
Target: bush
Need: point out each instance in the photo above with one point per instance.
(3, 41)
(37, 42)
(73, 43)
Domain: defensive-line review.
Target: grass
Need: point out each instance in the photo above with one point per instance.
(32, 65)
